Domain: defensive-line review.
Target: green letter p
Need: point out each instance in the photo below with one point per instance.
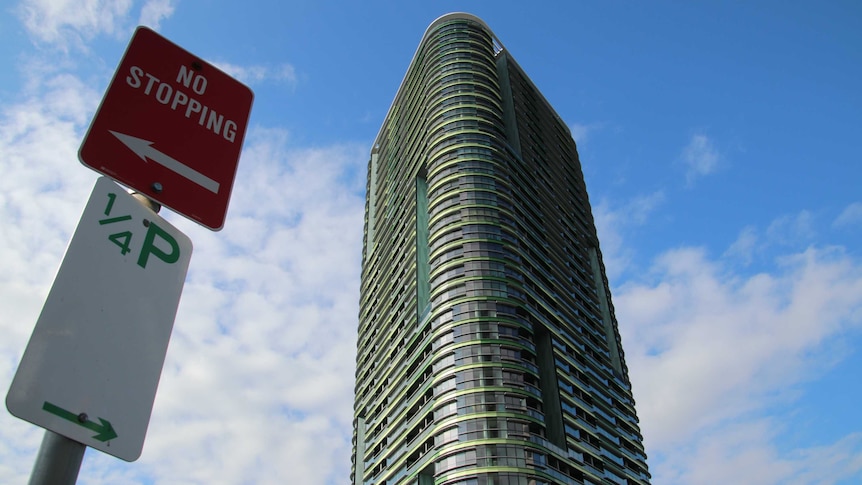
(149, 246)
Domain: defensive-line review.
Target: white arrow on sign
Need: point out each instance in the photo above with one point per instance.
(144, 149)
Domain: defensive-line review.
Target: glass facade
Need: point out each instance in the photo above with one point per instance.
(488, 349)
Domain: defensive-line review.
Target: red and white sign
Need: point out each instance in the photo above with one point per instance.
(171, 126)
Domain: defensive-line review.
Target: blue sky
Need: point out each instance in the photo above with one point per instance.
(721, 144)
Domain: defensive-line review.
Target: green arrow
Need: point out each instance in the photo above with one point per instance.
(105, 430)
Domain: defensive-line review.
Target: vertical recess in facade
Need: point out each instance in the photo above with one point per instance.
(371, 203)
(554, 426)
(422, 267)
(604, 306)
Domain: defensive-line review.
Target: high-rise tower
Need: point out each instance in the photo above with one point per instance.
(488, 348)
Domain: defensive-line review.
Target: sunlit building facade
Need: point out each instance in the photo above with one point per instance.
(488, 349)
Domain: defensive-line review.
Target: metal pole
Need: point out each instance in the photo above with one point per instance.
(58, 461)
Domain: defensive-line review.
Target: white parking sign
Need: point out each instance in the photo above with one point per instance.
(92, 365)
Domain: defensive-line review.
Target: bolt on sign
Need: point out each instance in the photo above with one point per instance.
(171, 126)
(92, 365)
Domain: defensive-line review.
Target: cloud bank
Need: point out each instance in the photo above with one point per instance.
(718, 357)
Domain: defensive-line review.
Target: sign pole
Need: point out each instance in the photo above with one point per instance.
(58, 461)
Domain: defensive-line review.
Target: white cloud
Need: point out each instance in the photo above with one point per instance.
(154, 11)
(833, 463)
(745, 453)
(42, 193)
(850, 216)
(791, 229)
(787, 231)
(255, 74)
(43, 180)
(581, 131)
(71, 23)
(745, 246)
(613, 223)
(262, 358)
(700, 157)
(709, 350)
